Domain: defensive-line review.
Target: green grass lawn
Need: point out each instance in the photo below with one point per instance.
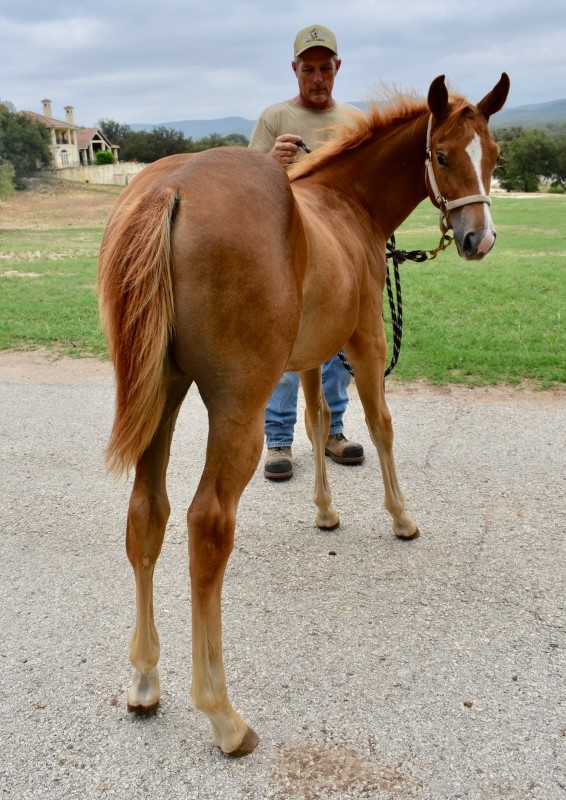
(48, 291)
(500, 320)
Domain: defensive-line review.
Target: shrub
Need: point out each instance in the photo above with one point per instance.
(104, 157)
(6, 180)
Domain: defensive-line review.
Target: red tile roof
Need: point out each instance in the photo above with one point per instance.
(84, 135)
(49, 121)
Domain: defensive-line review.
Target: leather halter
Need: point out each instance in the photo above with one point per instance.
(445, 206)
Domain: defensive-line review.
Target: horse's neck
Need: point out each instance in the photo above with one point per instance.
(386, 175)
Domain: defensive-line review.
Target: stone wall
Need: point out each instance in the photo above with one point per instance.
(115, 174)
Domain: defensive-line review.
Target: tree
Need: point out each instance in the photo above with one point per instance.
(24, 143)
(559, 178)
(167, 142)
(114, 132)
(209, 142)
(236, 140)
(148, 146)
(217, 140)
(527, 157)
(503, 137)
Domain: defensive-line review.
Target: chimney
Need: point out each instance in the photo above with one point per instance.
(69, 116)
(46, 108)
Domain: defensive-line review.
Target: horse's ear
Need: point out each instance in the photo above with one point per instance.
(438, 97)
(495, 100)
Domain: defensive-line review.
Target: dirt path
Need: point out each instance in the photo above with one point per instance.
(58, 203)
(370, 667)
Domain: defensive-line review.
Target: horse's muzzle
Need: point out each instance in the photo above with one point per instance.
(474, 233)
(475, 245)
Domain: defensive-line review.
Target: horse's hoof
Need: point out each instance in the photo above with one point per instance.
(408, 536)
(328, 521)
(404, 526)
(144, 692)
(247, 744)
(144, 711)
(322, 527)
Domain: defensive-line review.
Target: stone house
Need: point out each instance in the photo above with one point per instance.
(71, 145)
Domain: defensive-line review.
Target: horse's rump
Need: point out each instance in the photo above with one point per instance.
(177, 264)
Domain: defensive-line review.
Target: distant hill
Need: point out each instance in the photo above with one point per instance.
(539, 115)
(199, 128)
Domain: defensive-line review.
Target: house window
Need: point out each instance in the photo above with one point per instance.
(64, 158)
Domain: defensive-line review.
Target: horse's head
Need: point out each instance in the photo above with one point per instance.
(461, 157)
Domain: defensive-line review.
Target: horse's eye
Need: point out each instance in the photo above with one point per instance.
(441, 158)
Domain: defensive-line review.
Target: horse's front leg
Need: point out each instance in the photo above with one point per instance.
(232, 456)
(317, 422)
(368, 361)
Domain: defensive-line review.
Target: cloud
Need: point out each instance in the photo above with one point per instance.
(179, 59)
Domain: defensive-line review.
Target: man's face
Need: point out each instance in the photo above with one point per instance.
(315, 70)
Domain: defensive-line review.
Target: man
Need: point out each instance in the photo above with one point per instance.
(278, 131)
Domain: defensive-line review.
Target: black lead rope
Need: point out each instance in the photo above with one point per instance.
(398, 257)
(396, 303)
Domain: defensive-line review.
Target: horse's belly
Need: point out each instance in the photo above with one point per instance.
(322, 333)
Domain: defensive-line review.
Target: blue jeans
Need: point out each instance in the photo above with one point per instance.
(281, 410)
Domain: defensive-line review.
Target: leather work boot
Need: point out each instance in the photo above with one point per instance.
(343, 451)
(278, 465)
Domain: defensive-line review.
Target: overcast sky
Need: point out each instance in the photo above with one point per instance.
(168, 60)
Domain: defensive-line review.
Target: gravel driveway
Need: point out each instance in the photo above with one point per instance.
(370, 667)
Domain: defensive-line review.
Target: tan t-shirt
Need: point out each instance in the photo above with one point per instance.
(288, 117)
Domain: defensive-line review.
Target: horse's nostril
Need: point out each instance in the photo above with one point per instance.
(469, 245)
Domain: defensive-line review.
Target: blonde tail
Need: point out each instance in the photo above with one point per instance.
(136, 309)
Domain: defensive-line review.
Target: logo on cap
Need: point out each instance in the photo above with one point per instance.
(315, 36)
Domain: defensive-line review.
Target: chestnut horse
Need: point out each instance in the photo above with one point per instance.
(223, 270)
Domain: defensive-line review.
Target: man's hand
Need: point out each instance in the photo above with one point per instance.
(285, 149)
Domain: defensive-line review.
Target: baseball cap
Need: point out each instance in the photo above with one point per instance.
(315, 36)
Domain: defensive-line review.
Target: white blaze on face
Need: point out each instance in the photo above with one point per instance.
(474, 150)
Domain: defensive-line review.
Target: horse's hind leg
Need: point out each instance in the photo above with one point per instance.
(317, 422)
(147, 517)
(234, 448)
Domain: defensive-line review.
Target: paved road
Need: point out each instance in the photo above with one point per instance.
(425, 669)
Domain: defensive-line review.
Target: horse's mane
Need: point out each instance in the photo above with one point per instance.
(381, 114)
